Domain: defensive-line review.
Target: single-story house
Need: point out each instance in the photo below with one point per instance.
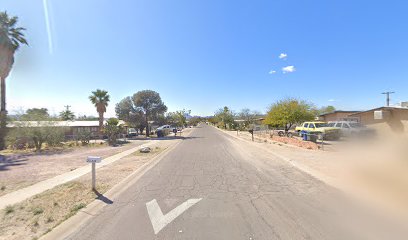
(338, 116)
(385, 118)
(72, 127)
(255, 121)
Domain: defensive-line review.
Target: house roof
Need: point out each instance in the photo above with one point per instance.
(58, 123)
(338, 111)
(380, 108)
(243, 120)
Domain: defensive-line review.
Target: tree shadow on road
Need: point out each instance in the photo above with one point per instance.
(7, 162)
(163, 138)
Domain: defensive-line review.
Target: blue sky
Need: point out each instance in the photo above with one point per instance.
(202, 55)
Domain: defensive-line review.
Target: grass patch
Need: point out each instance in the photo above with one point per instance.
(37, 211)
(49, 220)
(78, 207)
(45, 211)
(8, 210)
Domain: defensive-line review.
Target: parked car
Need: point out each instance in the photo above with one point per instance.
(166, 129)
(282, 133)
(352, 128)
(320, 128)
(132, 133)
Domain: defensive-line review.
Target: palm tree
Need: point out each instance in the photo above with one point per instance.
(11, 37)
(100, 99)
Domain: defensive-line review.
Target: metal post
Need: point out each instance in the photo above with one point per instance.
(93, 176)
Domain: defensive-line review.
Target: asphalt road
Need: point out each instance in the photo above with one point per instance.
(235, 192)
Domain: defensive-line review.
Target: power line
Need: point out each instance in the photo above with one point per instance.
(67, 107)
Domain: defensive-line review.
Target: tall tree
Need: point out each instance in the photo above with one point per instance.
(36, 114)
(287, 112)
(11, 37)
(67, 114)
(326, 109)
(224, 117)
(179, 118)
(87, 118)
(194, 121)
(127, 111)
(100, 98)
(150, 104)
(248, 116)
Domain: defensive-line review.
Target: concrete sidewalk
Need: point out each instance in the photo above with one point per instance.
(24, 193)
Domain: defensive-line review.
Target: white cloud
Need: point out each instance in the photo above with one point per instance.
(288, 69)
(283, 56)
(332, 100)
(272, 72)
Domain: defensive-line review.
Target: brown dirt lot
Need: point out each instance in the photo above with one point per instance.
(275, 139)
(24, 169)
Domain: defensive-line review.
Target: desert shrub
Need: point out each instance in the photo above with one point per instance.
(77, 207)
(55, 136)
(30, 134)
(84, 136)
(37, 211)
(112, 129)
(9, 209)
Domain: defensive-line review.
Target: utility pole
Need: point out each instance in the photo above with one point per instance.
(388, 97)
(67, 107)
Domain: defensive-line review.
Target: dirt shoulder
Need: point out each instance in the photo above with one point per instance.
(373, 171)
(38, 215)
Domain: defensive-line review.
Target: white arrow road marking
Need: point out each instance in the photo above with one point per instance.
(159, 221)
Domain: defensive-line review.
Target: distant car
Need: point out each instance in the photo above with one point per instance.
(321, 128)
(352, 128)
(132, 132)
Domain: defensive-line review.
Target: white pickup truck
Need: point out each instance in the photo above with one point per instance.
(166, 129)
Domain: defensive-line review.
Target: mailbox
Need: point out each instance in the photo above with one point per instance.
(251, 131)
(93, 159)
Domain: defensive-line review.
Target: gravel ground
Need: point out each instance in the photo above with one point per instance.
(374, 170)
(22, 170)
